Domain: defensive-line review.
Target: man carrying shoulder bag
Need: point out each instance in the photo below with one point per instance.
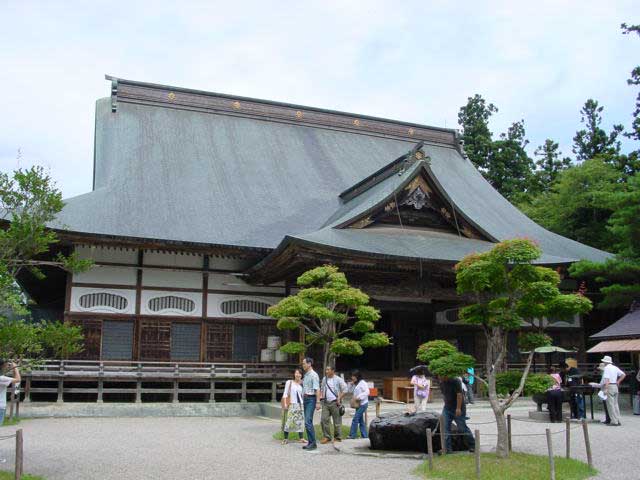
(332, 389)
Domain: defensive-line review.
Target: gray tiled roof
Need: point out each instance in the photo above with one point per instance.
(393, 241)
(194, 176)
(627, 326)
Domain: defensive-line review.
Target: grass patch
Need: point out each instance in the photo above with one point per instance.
(10, 476)
(519, 466)
(294, 436)
(8, 423)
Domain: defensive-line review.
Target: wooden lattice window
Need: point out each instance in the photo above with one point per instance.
(92, 331)
(171, 302)
(219, 342)
(232, 307)
(155, 340)
(103, 299)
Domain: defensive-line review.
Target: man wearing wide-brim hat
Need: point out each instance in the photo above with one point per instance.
(612, 377)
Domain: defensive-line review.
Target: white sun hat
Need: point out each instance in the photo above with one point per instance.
(606, 359)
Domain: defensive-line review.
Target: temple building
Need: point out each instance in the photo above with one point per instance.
(206, 207)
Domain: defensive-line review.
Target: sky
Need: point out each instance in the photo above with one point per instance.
(416, 61)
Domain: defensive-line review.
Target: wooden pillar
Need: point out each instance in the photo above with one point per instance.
(176, 383)
(100, 382)
(27, 390)
(19, 454)
(61, 382)
(212, 387)
(139, 384)
(137, 326)
(243, 396)
(205, 307)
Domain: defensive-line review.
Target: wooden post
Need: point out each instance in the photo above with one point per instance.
(243, 395)
(17, 389)
(27, 390)
(61, 383)
(587, 443)
(12, 400)
(100, 382)
(274, 389)
(509, 431)
(443, 443)
(430, 448)
(567, 424)
(477, 452)
(19, 454)
(552, 465)
(60, 390)
(378, 405)
(212, 386)
(176, 383)
(139, 384)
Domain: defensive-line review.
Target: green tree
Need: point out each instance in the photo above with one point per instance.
(633, 159)
(478, 139)
(592, 141)
(619, 277)
(509, 293)
(331, 313)
(509, 167)
(578, 205)
(29, 200)
(549, 164)
(503, 162)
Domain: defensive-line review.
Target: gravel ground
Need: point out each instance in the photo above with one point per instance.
(242, 448)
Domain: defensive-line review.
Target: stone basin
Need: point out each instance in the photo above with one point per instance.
(401, 432)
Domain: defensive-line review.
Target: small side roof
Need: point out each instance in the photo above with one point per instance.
(627, 326)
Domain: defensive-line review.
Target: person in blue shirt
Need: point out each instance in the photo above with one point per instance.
(310, 400)
(469, 380)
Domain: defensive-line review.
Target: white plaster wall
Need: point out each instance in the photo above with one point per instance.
(214, 300)
(77, 292)
(150, 294)
(164, 278)
(223, 281)
(102, 274)
(105, 254)
(153, 257)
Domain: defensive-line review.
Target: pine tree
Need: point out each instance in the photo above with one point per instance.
(549, 164)
(478, 139)
(593, 141)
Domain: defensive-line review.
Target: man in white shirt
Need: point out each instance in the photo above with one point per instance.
(332, 389)
(4, 383)
(612, 377)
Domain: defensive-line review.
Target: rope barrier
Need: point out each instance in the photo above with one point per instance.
(8, 437)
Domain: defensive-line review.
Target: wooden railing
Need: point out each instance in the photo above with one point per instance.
(173, 378)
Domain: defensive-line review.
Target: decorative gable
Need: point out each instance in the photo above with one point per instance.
(418, 204)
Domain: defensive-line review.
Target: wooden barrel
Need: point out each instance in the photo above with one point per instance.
(267, 355)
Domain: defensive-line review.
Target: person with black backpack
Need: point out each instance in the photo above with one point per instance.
(332, 389)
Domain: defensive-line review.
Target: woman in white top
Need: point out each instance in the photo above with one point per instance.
(292, 404)
(421, 387)
(359, 401)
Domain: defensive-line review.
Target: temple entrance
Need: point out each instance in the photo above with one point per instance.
(409, 325)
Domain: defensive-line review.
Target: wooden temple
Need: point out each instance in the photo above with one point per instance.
(206, 207)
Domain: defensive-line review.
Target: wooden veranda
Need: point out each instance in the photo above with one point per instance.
(136, 380)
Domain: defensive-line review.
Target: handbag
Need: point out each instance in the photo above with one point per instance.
(341, 409)
(354, 402)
